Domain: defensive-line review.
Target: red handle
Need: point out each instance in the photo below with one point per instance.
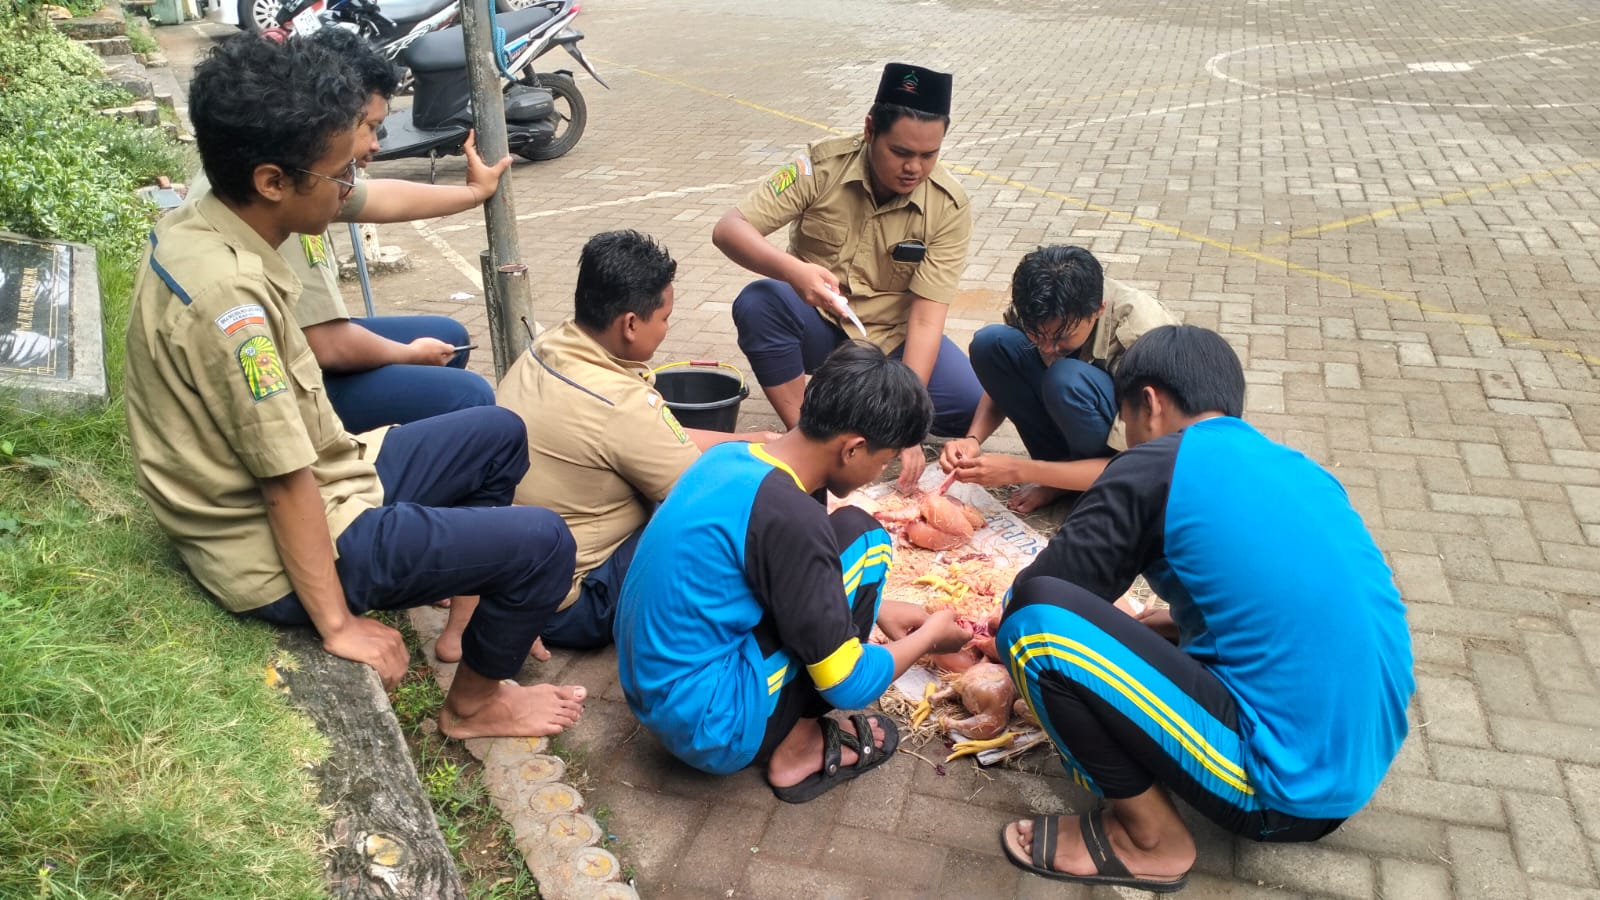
(704, 362)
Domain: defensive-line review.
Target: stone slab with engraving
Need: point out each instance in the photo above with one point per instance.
(51, 353)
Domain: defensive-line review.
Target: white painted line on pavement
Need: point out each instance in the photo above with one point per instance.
(620, 201)
(472, 273)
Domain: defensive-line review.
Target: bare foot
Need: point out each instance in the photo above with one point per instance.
(513, 710)
(447, 649)
(1030, 497)
(799, 756)
(1167, 858)
(537, 651)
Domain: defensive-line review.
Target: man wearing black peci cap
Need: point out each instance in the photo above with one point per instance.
(877, 219)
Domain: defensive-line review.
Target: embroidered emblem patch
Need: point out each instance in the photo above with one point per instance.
(672, 422)
(316, 250)
(263, 370)
(784, 178)
(241, 317)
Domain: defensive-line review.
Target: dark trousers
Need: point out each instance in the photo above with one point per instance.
(799, 698)
(586, 624)
(400, 394)
(447, 528)
(784, 338)
(1062, 412)
(1083, 662)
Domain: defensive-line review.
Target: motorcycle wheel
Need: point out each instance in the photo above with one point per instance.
(256, 16)
(571, 122)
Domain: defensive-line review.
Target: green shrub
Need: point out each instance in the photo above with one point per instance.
(70, 173)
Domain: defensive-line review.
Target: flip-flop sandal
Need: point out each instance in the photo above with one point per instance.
(1109, 869)
(834, 772)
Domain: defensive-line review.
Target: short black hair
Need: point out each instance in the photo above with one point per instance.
(621, 272)
(1193, 365)
(256, 102)
(884, 115)
(374, 70)
(858, 390)
(1055, 282)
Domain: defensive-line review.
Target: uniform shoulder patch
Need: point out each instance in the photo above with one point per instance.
(672, 422)
(315, 248)
(241, 317)
(262, 367)
(784, 178)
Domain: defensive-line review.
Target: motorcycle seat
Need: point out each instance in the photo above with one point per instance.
(408, 12)
(445, 50)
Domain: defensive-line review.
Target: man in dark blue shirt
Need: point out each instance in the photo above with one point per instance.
(1282, 703)
(745, 614)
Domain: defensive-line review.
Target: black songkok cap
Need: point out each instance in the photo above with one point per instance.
(916, 88)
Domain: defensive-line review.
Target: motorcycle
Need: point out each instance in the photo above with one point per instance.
(441, 110)
(393, 28)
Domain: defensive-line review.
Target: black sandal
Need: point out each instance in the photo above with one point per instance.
(1109, 869)
(834, 772)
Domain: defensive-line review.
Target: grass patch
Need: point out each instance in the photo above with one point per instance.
(479, 839)
(140, 40)
(141, 752)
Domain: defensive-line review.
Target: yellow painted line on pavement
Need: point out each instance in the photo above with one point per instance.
(1154, 225)
(1441, 200)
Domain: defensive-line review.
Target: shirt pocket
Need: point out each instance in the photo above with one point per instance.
(898, 276)
(820, 240)
(316, 411)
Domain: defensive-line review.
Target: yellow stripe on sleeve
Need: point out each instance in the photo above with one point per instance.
(837, 666)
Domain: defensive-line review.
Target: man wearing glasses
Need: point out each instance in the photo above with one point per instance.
(1048, 369)
(279, 512)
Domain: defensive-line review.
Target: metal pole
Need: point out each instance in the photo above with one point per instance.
(361, 267)
(514, 300)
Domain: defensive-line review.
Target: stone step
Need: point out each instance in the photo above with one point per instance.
(129, 76)
(145, 112)
(112, 46)
(96, 27)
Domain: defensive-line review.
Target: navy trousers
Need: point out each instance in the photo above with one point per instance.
(398, 394)
(1062, 412)
(586, 624)
(784, 338)
(446, 527)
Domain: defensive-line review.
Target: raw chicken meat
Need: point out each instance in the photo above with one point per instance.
(987, 693)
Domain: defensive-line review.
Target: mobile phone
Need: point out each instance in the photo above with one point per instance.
(464, 347)
(910, 251)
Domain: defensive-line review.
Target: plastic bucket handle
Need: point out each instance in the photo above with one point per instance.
(744, 390)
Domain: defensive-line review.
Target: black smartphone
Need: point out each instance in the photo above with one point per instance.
(910, 251)
(465, 347)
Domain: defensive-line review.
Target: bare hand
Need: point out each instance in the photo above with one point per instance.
(427, 351)
(989, 470)
(948, 635)
(1159, 620)
(816, 286)
(374, 643)
(898, 618)
(482, 179)
(957, 450)
(912, 462)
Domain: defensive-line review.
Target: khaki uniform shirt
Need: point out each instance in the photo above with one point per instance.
(1129, 313)
(603, 447)
(311, 259)
(826, 196)
(222, 391)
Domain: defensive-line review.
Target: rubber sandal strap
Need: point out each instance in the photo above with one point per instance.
(1098, 842)
(832, 736)
(1043, 846)
(865, 747)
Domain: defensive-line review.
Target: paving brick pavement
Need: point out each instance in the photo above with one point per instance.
(1390, 210)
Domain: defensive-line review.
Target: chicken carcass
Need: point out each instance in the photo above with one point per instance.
(987, 693)
(943, 523)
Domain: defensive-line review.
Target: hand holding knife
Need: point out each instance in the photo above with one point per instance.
(842, 307)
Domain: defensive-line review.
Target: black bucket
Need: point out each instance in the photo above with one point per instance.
(701, 394)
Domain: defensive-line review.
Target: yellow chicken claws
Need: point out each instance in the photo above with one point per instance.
(936, 582)
(922, 710)
(969, 748)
